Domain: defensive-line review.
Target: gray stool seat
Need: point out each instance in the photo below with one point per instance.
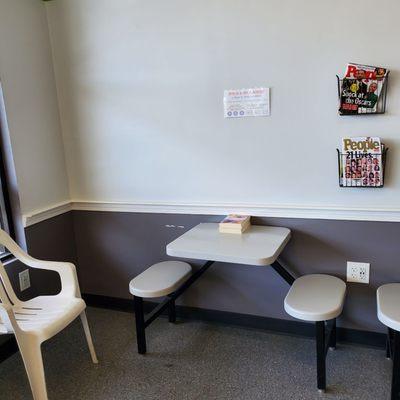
(388, 305)
(160, 279)
(388, 301)
(168, 278)
(316, 297)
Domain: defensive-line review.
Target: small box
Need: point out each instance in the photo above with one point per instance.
(234, 223)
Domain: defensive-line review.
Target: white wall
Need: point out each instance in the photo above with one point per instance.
(141, 82)
(27, 77)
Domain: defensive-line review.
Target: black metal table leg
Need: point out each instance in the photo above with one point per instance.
(389, 343)
(140, 326)
(283, 272)
(332, 338)
(321, 354)
(396, 366)
(171, 311)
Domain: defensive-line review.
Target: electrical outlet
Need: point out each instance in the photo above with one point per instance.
(357, 272)
(24, 280)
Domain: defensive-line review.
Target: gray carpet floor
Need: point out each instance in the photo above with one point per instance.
(195, 360)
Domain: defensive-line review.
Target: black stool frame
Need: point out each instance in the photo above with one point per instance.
(325, 335)
(325, 331)
(393, 352)
(143, 322)
(169, 303)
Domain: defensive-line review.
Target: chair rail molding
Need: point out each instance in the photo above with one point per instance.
(48, 212)
(316, 211)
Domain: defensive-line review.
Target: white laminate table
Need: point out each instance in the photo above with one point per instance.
(259, 245)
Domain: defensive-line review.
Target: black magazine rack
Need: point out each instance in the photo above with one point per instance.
(380, 107)
(354, 182)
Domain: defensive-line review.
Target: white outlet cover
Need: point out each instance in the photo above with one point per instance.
(358, 272)
(24, 280)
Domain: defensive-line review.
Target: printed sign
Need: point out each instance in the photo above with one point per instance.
(246, 103)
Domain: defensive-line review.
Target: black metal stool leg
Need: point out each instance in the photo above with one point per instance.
(396, 366)
(171, 311)
(321, 369)
(140, 326)
(332, 339)
(389, 343)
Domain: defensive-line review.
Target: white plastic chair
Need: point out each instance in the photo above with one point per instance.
(34, 321)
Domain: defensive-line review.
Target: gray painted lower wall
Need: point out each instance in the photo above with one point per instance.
(53, 240)
(110, 248)
(113, 247)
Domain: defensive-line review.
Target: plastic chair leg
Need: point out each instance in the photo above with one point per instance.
(89, 337)
(32, 356)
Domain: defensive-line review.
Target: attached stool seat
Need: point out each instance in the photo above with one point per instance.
(318, 298)
(388, 302)
(161, 279)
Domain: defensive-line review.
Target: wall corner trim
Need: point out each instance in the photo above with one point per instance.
(258, 210)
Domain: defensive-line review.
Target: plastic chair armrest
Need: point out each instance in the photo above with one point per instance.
(67, 272)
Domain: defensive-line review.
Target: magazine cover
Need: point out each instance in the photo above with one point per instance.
(361, 87)
(235, 219)
(367, 72)
(362, 161)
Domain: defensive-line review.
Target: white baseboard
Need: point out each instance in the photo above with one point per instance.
(280, 211)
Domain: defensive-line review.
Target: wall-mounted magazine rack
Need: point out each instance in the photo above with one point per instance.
(380, 106)
(365, 181)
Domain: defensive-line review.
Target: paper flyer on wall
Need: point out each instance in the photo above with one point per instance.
(239, 103)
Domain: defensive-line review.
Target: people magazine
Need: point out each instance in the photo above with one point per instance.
(361, 89)
(361, 162)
